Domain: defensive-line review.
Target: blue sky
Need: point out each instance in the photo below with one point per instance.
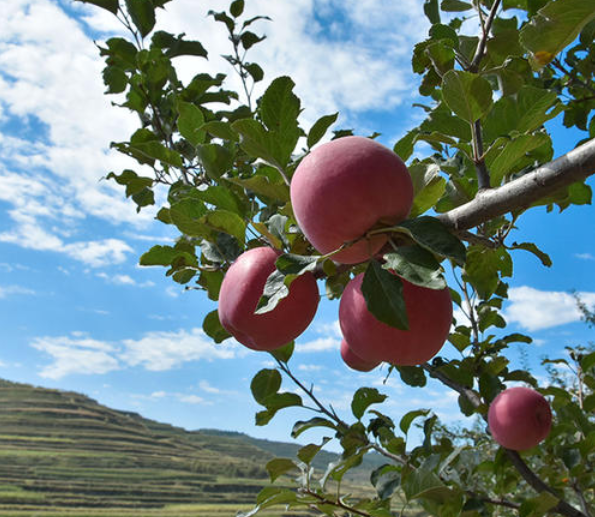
(76, 312)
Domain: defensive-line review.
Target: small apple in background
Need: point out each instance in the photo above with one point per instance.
(241, 290)
(343, 188)
(430, 316)
(354, 361)
(519, 418)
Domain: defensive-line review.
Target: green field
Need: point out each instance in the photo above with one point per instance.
(63, 454)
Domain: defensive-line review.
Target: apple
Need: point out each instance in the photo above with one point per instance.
(345, 187)
(519, 418)
(429, 312)
(241, 290)
(354, 361)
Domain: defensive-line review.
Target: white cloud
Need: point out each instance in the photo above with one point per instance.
(10, 290)
(206, 387)
(124, 280)
(159, 351)
(310, 367)
(533, 309)
(585, 256)
(191, 399)
(321, 344)
(76, 355)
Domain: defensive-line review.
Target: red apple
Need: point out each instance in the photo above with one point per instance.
(354, 361)
(430, 316)
(344, 188)
(519, 418)
(241, 289)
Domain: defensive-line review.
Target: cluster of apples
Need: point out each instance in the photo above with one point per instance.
(339, 192)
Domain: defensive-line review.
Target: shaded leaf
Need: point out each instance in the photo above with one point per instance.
(279, 466)
(301, 426)
(383, 293)
(409, 417)
(190, 121)
(110, 5)
(416, 265)
(264, 384)
(213, 328)
(431, 234)
(363, 398)
(320, 127)
(142, 14)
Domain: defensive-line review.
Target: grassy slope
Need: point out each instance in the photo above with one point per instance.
(64, 450)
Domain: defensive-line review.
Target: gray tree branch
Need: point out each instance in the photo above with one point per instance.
(519, 194)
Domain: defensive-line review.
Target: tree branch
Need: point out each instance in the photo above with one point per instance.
(521, 193)
(524, 470)
(485, 29)
(530, 477)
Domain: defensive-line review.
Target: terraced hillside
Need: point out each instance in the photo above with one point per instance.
(64, 451)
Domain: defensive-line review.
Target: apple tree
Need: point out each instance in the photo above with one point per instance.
(492, 73)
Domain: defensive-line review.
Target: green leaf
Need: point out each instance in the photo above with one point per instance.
(404, 147)
(249, 39)
(455, 6)
(142, 13)
(291, 264)
(555, 27)
(274, 291)
(363, 398)
(467, 94)
(538, 506)
(213, 328)
(263, 186)
(271, 496)
(422, 483)
(432, 11)
(485, 266)
(110, 5)
(177, 46)
(279, 106)
(226, 222)
(159, 256)
(431, 234)
(264, 384)
(222, 197)
(190, 121)
(301, 426)
(428, 187)
(279, 466)
(416, 265)
(115, 79)
(524, 112)
(532, 248)
(503, 163)
(412, 375)
(260, 143)
(386, 480)
(133, 182)
(216, 159)
(409, 417)
(220, 129)
(320, 127)
(236, 8)
(283, 353)
(274, 403)
(255, 71)
(383, 293)
(308, 452)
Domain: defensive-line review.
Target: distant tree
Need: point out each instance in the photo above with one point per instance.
(228, 159)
